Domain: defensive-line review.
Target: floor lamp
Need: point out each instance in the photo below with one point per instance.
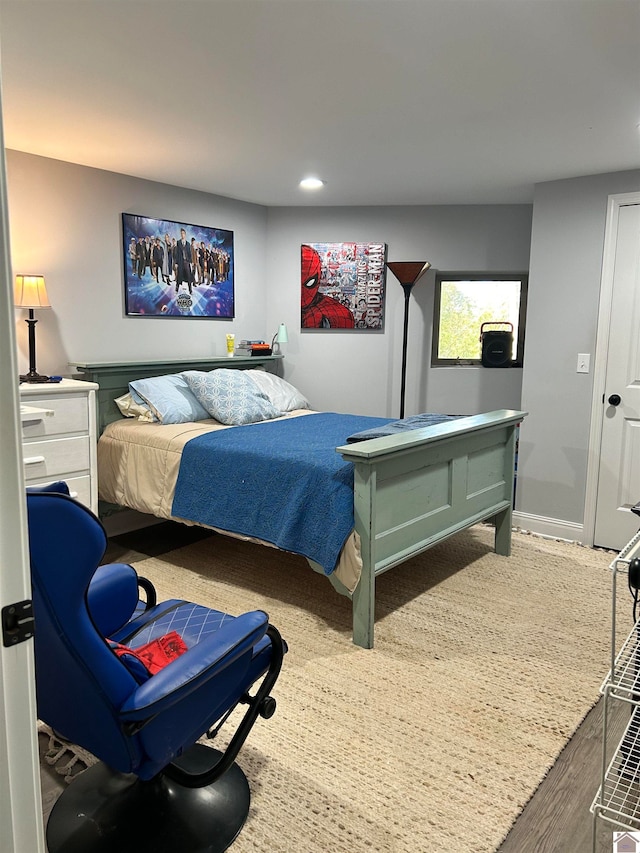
(407, 273)
(30, 292)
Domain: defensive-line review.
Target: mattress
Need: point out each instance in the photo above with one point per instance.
(138, 466)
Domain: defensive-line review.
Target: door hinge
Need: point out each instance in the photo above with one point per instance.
(17, 623)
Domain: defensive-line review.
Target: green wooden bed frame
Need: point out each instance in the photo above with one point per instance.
(411, 490)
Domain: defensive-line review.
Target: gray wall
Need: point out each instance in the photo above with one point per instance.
(360, 372)
(567, 243)
(65, 223)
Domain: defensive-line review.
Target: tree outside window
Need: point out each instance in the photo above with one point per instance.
(464, 302)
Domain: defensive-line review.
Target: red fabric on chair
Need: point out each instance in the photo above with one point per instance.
(156, 654)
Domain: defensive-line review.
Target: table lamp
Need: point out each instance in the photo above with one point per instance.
(30, 292)
(280, 337)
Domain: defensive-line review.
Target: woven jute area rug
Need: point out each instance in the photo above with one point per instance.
(434, 740)
(483, 668)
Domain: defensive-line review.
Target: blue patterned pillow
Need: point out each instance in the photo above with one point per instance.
(169, 398)
(230, 396)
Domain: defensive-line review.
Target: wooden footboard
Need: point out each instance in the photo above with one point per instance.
(420, 487)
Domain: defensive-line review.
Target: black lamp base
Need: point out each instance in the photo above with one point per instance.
(33, 377)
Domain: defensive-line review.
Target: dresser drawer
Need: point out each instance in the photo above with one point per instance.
(79, 487)
(59, 436)
(70, 414)
(46, 460)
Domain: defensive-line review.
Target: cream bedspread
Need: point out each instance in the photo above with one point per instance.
(138, 466)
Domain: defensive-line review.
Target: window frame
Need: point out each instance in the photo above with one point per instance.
(522, 277)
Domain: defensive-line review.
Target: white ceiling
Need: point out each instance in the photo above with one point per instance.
(388, 101)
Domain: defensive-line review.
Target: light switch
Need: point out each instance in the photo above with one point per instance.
(584, 360)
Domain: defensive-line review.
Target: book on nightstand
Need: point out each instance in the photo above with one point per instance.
(261, 349)
(248, 348)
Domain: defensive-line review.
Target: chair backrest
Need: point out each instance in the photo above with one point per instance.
(80, 682)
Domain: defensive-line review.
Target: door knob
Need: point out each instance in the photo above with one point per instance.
(614, 400)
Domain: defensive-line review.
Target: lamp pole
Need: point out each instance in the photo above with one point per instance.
(407, 273)
(405, 332)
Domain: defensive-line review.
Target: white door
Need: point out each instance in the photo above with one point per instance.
(619, 465)
(21, 829)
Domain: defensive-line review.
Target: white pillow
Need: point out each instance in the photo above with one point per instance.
(230, 396)
(131, 409)
(284, 396)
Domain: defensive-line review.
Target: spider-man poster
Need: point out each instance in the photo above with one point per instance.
(343, 285)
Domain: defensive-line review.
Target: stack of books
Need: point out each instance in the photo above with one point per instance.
(248, 348)
(261, 349)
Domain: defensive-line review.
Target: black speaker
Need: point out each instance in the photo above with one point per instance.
(497, 346)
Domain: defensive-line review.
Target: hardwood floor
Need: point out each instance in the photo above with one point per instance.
(556, 819)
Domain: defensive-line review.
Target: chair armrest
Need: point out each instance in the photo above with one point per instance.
(196, 666)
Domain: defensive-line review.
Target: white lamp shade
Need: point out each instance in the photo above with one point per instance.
(281, 335)
(30, 292)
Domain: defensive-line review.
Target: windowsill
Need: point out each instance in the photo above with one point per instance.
(475, 365)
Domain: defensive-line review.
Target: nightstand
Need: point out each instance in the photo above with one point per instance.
(59, 436)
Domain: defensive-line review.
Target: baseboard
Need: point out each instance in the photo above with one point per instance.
(127, 521)
(552, 528)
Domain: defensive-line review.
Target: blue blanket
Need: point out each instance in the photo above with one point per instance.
(394, 427)
(279, 481)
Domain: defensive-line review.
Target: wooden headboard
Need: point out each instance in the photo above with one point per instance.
(114, 377)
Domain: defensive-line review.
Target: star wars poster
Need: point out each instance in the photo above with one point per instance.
(173, 269)
(342, 286)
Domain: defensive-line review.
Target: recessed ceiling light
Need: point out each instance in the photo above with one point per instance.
(311, 183)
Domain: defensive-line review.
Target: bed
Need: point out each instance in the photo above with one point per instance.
(411, 489)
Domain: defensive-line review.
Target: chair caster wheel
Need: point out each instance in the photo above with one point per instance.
(268, 707)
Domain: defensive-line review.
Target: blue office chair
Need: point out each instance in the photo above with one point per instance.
(154, 788)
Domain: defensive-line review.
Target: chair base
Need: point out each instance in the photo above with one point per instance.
(103, 811)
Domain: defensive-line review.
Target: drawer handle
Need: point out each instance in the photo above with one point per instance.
(33, 460)
(33, 415)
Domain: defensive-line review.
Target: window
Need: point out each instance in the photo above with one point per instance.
(464, 301)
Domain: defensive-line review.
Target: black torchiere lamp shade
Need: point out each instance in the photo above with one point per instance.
(30, 292)
(407, 273)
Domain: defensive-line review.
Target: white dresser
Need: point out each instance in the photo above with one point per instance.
(59, 436)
